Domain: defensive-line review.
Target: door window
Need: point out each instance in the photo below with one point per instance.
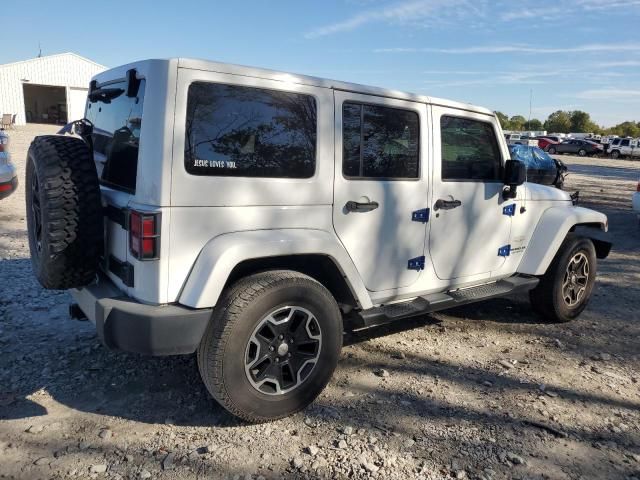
(470, 150)
(379, 142)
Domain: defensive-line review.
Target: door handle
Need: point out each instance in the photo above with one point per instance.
(352, 206)
(442, 204)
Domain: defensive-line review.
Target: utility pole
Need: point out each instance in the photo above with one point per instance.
(39, 49)
(530, 104)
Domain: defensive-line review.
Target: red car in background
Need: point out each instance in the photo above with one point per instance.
(544, 143)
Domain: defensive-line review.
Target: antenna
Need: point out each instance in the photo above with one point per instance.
(39, 49)
(530, 104)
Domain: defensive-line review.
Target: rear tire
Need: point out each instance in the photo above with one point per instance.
(64, 212)
(245, 364)
(565, 289)
(582, 152)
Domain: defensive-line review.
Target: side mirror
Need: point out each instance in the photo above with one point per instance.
(515, 174)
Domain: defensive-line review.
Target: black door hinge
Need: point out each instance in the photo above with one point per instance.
(420, 215)
(123, 270)
(416, 263)
(117, 215)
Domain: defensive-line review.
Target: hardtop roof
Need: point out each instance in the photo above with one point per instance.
(229, 68)
(211, 66)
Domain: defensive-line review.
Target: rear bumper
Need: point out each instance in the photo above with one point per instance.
(7, 188)
(126, 324)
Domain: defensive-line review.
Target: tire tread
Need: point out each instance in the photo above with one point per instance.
(72, 223)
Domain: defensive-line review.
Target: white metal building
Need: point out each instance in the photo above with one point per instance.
(51, 89)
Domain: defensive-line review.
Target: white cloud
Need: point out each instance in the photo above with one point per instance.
(609, 94)
(495, 49)
(535, 12)
(408, 12)
(473, 13)
(599, 5)
(621, 63)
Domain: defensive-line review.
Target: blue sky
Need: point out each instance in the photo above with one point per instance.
(573, 54)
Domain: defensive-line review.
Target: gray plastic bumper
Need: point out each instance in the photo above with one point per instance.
(126, 324)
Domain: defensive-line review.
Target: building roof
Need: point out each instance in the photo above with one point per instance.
(46, 57)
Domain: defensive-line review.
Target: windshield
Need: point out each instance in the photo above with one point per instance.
(117, 120)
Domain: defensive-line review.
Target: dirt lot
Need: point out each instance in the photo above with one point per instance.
(482, 392)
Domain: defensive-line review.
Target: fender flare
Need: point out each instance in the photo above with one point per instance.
(553, 227)
(221, 254)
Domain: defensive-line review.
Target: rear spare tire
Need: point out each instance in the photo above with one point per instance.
(64, 212)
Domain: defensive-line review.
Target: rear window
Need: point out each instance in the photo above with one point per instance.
(117, 120)
(237, 131)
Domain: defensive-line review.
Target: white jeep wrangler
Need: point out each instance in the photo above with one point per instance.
(254, 216)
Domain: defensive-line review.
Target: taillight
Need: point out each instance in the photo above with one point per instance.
(638, 187)
(144, 235)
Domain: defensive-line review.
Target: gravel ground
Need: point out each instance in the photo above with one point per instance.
(481, 392)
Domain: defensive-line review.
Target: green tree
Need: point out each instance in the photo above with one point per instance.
(534, 124)
(581, 122)
(504, 120)
(558, 122)
(627, 129)
(517, 122)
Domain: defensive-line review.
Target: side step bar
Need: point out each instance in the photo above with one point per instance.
(441, 301)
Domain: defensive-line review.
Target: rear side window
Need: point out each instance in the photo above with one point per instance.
(117, 120)
(469, 150)
(239, 131)
(379, 142)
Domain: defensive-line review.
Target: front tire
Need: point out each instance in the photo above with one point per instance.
(551, 150)
(615, 154)
(271, 346)
(565, 289)
(582, 152)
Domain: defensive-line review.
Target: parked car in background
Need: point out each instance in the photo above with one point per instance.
(541, 167)
(626, 147)
(513, 138)
(555, 138)
(581, 148)
(544, 143)
(8, 175)
(614, 143)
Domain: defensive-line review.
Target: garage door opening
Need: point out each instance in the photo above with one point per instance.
(45, 104)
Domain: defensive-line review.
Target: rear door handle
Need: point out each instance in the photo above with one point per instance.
(442, 204)
(352, 206)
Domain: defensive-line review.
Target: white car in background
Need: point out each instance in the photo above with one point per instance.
(8, 175)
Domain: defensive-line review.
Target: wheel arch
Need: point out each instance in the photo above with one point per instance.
(551, 230)
(320, 267)
(229, 257)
